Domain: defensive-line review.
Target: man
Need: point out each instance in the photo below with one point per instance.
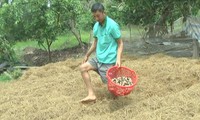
(108, 45)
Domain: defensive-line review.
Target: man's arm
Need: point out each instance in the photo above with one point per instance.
(119, 52)
(92, 49)
(116, 34)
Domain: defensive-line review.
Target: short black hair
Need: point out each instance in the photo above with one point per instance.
(97, 7)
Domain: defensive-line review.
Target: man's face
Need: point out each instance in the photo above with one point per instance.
(98, 16)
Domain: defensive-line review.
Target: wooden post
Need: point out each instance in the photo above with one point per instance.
(195, 49)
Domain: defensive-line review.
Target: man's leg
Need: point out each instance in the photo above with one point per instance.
(84, 68)
(103, 68)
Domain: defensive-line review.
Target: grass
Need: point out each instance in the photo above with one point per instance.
(20, 46)
(4, 78)
(10, 75)
(69, 40)
(63, 41)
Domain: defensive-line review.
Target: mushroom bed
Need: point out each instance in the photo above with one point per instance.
(167, 88)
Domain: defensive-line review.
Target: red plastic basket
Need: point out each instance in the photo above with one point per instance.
(115, 72)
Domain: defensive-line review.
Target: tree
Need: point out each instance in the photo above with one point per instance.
(40, 22)
(7, 33)
(45, 20)
(156, 16)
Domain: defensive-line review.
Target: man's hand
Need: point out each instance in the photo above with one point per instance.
(85, 59)
(118, 63)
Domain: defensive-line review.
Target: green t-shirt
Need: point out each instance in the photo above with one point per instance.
(107, 36)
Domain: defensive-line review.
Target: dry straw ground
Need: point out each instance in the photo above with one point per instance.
(168, 89)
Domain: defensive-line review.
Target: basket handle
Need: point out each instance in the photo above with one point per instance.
(116, 66)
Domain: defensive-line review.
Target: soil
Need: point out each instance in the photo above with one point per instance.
(39, 57)
(172, 47)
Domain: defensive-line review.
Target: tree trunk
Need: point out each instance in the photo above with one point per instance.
(195, 49)
(76, 32)
(161, 24)
(186, 11)
(78, 37)
(172, 25)
(49, 49)
(151, 31)
(49, 53)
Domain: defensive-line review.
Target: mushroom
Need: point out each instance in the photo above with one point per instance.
(123, 81)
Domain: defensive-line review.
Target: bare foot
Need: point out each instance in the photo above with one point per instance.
(89, 99)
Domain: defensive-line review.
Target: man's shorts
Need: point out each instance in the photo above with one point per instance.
(101, 68)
